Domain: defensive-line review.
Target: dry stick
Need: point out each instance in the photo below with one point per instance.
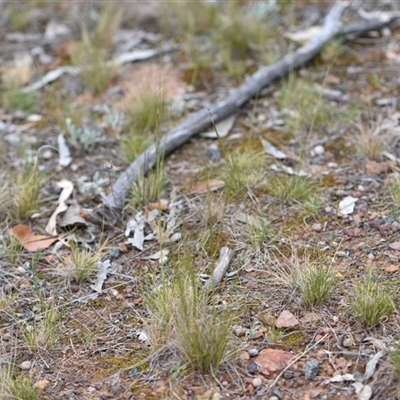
(112, 203)
(216, 112)
(225, 257)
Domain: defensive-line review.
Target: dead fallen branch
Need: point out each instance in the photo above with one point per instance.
(202, 119)
(225, 257)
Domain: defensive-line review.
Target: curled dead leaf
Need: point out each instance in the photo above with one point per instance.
(29, 240)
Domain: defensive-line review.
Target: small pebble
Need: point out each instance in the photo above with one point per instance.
(273, 398)
(291, 375)
(214, 155)
(311, 369)
(25, 365)
(133, 372)
(239, 331)
(114, 253)
(288, 375)
(348, 342)
(319, 150)
(117, 390)
(47, 154)
(42, 385)
(278, 393)
(252, 368)
(253, 352)
(257, 382)
(316, 227)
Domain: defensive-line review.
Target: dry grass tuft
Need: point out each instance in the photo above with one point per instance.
(16, 386)
(24, 191)
(81, 263)
(370, 140)
(243, 169)
(310, 274)
(92, 53)
(186, 317)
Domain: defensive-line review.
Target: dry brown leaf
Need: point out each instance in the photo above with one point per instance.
(29, 240)
(204, 187)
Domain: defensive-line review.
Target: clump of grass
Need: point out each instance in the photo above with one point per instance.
(109, 20)
(92, 53)
(17, 16)
(315, 280)
(200, 72)
(95, 72)
(370, 141)
(303, 105)
(16, 386)
(239, 35)
(25, 192)
(395, 357)
(190, 18)
(373, 301)
(147, 189)
(81, 263)
(187, 316)
(258, 233)
(15, 99)
(145, 118)
(243, 169)
(292, 188)
(11, 248)
(274, 334)
(395, 192)
(15, 75)
(237, 31)
(43, 332)
(311, 275)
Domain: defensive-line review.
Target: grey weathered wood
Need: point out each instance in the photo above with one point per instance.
(202, 119)
(225, 258)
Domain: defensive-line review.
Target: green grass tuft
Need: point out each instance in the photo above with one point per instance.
(373, 301)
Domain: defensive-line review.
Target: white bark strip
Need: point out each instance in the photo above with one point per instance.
(225, 258)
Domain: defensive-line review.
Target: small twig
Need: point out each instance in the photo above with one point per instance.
(294, 361)
(225, 257)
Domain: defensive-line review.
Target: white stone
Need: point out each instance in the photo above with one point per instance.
(25, 365)
(319, 150)
(257, 382)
